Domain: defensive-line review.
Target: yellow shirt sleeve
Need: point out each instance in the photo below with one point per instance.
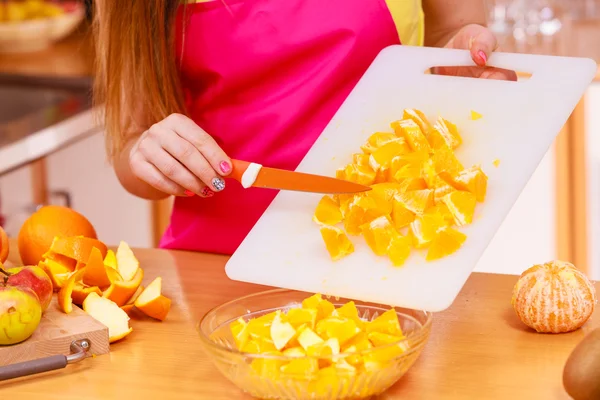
(409, 19)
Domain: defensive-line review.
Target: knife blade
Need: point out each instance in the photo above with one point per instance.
(255, 175)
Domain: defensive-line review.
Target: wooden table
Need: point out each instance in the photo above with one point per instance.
(478, 348)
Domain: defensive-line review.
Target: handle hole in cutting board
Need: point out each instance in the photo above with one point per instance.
(463, 72)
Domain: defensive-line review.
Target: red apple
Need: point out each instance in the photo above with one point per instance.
(20, 313)
(36, 279)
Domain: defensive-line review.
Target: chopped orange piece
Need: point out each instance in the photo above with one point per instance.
(337, 243)
(411, 184)
(383, 156)
(362, 210)
(425, 228)
(76, 247)
(120, 292)
(416, 201)
(152, 302)
(377, 140)
(461, 205)
(445, 161)
(361, 174)
(360, 159)
(419, 118)
(473, 180)
(447, 242)
(378, 234)
(65, 301)
(95, 271)
(442, 210)
(441, 188)
(410, 131)
(496, 163)
(401, 215)
(387, 323)
(387, 189)
(475, 115)
(327, 212)
(382, 175)
(444, 133)
(383, 203)
(428, 173)
(399, 249)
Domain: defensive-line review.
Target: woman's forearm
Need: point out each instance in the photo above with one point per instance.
(443, 18)
(129, 181)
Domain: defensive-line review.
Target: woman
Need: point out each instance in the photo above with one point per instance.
(257, 80)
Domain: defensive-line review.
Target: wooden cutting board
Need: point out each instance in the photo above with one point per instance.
(54, 336)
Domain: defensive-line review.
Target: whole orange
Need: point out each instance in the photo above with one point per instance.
(38, 231)
(554, 297)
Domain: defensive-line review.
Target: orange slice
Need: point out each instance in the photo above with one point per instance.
(383, 156)
(461, 205)
(419, 118)
(416, 201)
(327, 212)
(109, 314)
(473, 180)
(444, 133)
(121, 291)
(412, 184)
(428, 173)
(337, 243)
(378, 234)
(399, 249)
(413, 135)
(152, 302)
(383, 203)
(95, 271)
(377, 140)
(441, 210)
(65, 301)
(448, 241)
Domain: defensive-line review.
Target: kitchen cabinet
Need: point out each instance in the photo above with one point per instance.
(592, 157)
(82, 171)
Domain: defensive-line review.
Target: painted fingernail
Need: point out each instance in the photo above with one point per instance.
(206, 192)
(188, 193)
(225, 167)
(482, 55)
(218, 184)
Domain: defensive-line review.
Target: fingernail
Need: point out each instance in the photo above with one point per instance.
(482, 55)
(206, 192)
(218, 184)
(225, 167)
(188, 193)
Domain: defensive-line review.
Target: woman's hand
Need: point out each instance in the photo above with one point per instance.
(177, 157)
(481, 42)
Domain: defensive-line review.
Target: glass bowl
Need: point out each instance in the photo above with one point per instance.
(260, 374)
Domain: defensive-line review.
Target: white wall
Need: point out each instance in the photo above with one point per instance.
(81, 169)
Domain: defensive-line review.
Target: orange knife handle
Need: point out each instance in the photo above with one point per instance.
(238, 168)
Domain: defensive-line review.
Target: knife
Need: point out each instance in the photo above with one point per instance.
(255, 175)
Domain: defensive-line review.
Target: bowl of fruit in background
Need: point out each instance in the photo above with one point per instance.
(34, 25)
(281, 344)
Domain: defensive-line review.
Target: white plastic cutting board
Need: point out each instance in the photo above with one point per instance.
(520, 121)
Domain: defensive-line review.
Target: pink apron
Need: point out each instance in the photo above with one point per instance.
(264, 78)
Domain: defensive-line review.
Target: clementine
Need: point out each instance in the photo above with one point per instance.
(554, 297)
(38, 231)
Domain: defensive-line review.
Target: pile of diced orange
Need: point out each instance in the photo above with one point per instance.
(338, 342)
(421, 193)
